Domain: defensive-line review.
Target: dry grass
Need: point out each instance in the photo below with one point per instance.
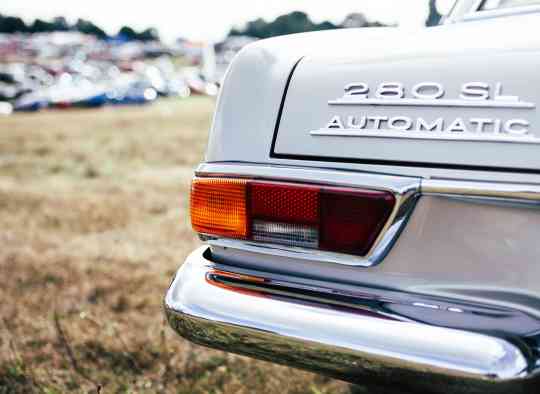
(93, 225)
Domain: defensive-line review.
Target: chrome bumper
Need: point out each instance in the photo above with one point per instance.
(335, 340)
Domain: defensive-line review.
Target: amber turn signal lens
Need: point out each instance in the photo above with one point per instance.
(218, 207)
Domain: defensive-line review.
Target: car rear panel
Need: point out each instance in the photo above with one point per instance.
(459, 251)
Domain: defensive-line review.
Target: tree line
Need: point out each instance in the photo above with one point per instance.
(13, 24)
(296, 22)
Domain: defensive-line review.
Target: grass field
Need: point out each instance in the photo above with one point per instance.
(93, 224)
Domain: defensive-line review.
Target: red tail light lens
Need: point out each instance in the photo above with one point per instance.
(352, 220)
(285, 202)
(344, 220)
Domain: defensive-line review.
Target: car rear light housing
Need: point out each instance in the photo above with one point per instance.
(327, 218)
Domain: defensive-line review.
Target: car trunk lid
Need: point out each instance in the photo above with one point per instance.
(442, 98)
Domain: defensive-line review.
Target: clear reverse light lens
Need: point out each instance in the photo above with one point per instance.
(292, 234)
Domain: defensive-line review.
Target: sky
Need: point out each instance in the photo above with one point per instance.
(206, 20)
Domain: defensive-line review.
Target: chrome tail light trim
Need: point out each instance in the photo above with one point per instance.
(405, 191)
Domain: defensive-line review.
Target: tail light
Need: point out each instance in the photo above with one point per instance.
(344, 220)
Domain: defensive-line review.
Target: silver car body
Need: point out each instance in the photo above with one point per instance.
(445, 118)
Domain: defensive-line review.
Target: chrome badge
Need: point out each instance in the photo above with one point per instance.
(479, 95)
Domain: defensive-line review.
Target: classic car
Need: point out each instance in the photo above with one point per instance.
(369, 205)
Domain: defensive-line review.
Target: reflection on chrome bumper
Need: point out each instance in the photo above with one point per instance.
(337, 341)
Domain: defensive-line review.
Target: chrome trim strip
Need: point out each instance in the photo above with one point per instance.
(419, 135)
(405, 191)
(511, 192)
(338, 342)
(434, 103)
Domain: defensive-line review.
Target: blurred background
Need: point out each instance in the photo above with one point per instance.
(105, 109)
